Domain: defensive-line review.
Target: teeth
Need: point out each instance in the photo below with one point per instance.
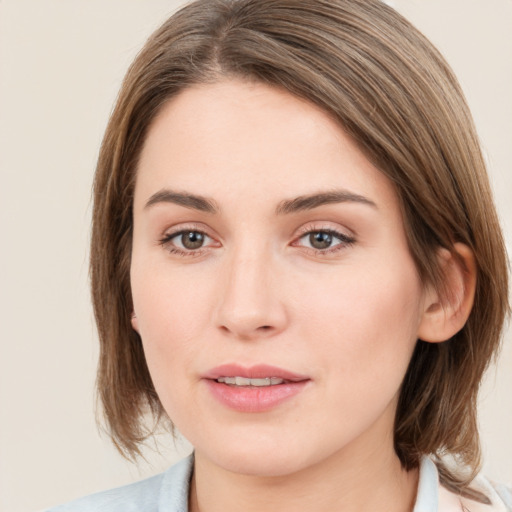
(243, 381)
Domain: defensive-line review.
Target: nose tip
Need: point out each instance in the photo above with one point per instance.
(250, 305)
(246, 328)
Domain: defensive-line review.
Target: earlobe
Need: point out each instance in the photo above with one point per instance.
(447, 310)
(134, 322)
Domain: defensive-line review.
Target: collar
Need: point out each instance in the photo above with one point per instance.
(433, 497)
(427, 497)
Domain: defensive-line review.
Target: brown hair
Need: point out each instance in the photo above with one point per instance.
(394, 94)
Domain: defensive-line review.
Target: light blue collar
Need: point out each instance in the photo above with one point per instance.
(175, 486)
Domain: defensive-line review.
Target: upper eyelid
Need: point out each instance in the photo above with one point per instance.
(313, 225)
(325, 226)
(167, 237)
(304, 229)
(186, 226)
(343, 238)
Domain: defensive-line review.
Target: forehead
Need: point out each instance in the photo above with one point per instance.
(252, 139)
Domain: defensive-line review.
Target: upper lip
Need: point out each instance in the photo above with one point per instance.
(259, 371)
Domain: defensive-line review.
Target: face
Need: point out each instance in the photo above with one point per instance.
(274, 292)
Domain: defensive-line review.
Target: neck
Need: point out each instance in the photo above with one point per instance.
(345, 481)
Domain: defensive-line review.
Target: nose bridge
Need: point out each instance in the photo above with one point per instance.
(249, 303)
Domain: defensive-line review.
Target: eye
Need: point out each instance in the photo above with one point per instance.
(320, 239)
(324, 240)
(189, 239)
(186, 241)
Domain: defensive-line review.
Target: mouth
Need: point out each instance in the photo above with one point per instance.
(246, 382)
(261, 375)
(254, 389)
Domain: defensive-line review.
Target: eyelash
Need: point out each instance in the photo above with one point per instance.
(344, 241)
(167, 244)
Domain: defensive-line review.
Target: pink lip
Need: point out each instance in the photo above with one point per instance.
(254, 399)
(259, 371)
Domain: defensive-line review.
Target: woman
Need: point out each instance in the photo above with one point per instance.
(296, 260)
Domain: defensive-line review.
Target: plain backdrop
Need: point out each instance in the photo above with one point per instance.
(61, 64)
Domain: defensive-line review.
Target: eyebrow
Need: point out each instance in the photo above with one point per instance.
(309, 202)
(185, 199)
(298, 204)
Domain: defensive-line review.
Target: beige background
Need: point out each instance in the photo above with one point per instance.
(61, 62)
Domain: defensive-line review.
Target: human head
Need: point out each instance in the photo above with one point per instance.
(395, 96)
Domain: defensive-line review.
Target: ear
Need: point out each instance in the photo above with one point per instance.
(445, 315)
(135, 322)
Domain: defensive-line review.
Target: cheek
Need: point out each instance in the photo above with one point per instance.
(168, 303)
(366, 334)
(367, 321)
(172, 311)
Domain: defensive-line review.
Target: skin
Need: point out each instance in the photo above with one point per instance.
(257, 292)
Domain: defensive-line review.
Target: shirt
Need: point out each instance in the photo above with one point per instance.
(168, 492)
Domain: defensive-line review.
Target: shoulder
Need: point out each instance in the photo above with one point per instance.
(500, 497)
(169, 488)
(434, 497)
(141, 495)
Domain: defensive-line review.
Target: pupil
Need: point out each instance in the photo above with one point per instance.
(192, 239)
(320, 240)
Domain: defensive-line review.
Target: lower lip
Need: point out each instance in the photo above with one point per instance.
(254, 399)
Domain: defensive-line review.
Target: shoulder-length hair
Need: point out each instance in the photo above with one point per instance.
(395, 95)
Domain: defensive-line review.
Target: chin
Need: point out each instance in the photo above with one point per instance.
(262, 457)
(275, 465)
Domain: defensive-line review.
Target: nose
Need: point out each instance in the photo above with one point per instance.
(250, 303)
